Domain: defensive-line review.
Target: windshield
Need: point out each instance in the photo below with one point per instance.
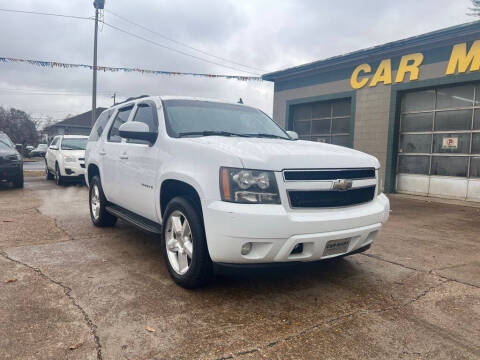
(5, 142)
(74, 144)
(4, 145)
(203, 118)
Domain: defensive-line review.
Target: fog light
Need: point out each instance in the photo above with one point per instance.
(246, 248)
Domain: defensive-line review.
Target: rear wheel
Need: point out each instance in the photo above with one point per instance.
(58, 175)
(100, 217)
(184, 244)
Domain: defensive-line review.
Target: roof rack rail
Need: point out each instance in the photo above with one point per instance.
(132, 98)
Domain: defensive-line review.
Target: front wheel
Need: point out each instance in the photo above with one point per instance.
(58, 175)
(99, 215)
(18, 183)
(48, 174)
(184, 245)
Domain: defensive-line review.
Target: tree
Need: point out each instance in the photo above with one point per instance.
(475, 9)
(18, 125)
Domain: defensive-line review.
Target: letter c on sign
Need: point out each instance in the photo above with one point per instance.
(354, 81)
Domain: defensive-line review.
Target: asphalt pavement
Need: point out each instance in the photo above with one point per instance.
(34, 164)
(69, 290)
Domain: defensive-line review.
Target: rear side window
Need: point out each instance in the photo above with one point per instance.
(121, 118)
(145, 113)
(99, 126)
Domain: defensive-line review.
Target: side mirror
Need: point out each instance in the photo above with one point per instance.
(293, 135)
(53, 147)
(19, 147)
(136, 130)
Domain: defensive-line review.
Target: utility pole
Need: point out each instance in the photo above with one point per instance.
(99, 5)
(114, 97)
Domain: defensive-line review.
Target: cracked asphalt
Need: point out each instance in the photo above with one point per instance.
(69, 290)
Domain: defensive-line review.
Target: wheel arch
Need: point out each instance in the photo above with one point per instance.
(172, 187)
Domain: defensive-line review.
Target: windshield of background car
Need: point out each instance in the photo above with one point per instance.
(74, 144)
(5, 140)
(187, 116)
(4, 146)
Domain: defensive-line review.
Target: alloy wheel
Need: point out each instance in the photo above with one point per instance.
(179, 242)
(95, 202)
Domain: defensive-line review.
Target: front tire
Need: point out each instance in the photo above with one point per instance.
(48, 174)
(97, 203)
(184, 245)
(18, 183)
(58, 175)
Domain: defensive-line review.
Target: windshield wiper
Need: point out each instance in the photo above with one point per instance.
(260, 135)
(209, 133)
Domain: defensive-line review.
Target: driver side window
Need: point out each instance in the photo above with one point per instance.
(121, 118)
(145, 113)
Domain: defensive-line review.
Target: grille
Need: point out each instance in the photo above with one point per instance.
(329, 174)
(330, 198)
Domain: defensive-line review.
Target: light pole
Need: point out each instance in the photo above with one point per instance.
(99, 5)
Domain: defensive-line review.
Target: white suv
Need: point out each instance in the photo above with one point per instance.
(223, 183)
(65, 158)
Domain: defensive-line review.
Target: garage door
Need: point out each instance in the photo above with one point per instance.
(439, 144)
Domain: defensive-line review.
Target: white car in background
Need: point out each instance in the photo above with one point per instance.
(65, 158)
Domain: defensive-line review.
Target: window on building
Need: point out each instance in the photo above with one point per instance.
(440, 132)
(324, 121)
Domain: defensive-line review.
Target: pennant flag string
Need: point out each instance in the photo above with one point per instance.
(56, 64)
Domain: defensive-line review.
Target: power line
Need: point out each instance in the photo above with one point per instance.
(180, 43)
(45, 14)
(52, 93)
(175, 50)
(133, 35)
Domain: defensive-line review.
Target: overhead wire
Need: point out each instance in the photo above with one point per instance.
(175, 50)
(45, 14)
(179, 42)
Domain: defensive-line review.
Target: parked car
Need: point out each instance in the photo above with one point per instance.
(40, 150)
(11, 162)
(223, 183)
(28, 150)
(65, 158)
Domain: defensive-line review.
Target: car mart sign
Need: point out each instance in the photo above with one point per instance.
(460, 61)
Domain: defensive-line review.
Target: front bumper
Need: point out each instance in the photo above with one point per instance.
(274, 231)
(74, 170)
(10, 171)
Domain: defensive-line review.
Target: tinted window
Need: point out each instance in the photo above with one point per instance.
(121, 118)
(449, 165)
(5, 140)
(99, 126)
(74, 144)
(187, 116)
(146, 114)
(413, 164)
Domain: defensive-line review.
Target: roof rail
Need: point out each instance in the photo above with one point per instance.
(132, 98)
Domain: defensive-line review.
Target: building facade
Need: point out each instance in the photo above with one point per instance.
(76, 125)
(413, 103)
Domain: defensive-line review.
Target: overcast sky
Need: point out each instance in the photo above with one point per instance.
(268, 35)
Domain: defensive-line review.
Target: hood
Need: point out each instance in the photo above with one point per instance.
(278, 154)
(74, 153)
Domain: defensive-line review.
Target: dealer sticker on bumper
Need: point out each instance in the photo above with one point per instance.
(338, 246)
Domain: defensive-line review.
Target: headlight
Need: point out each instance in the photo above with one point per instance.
(69, 159)
(248, 186)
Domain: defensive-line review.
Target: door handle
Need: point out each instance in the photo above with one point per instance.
(101, 152)
(124, 156)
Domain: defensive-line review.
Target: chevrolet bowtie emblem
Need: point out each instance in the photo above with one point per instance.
(342, 184)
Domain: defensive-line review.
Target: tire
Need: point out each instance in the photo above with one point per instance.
(97, 203)
(49, 175)
(198, 270)
(58, 175)
(18, 182)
